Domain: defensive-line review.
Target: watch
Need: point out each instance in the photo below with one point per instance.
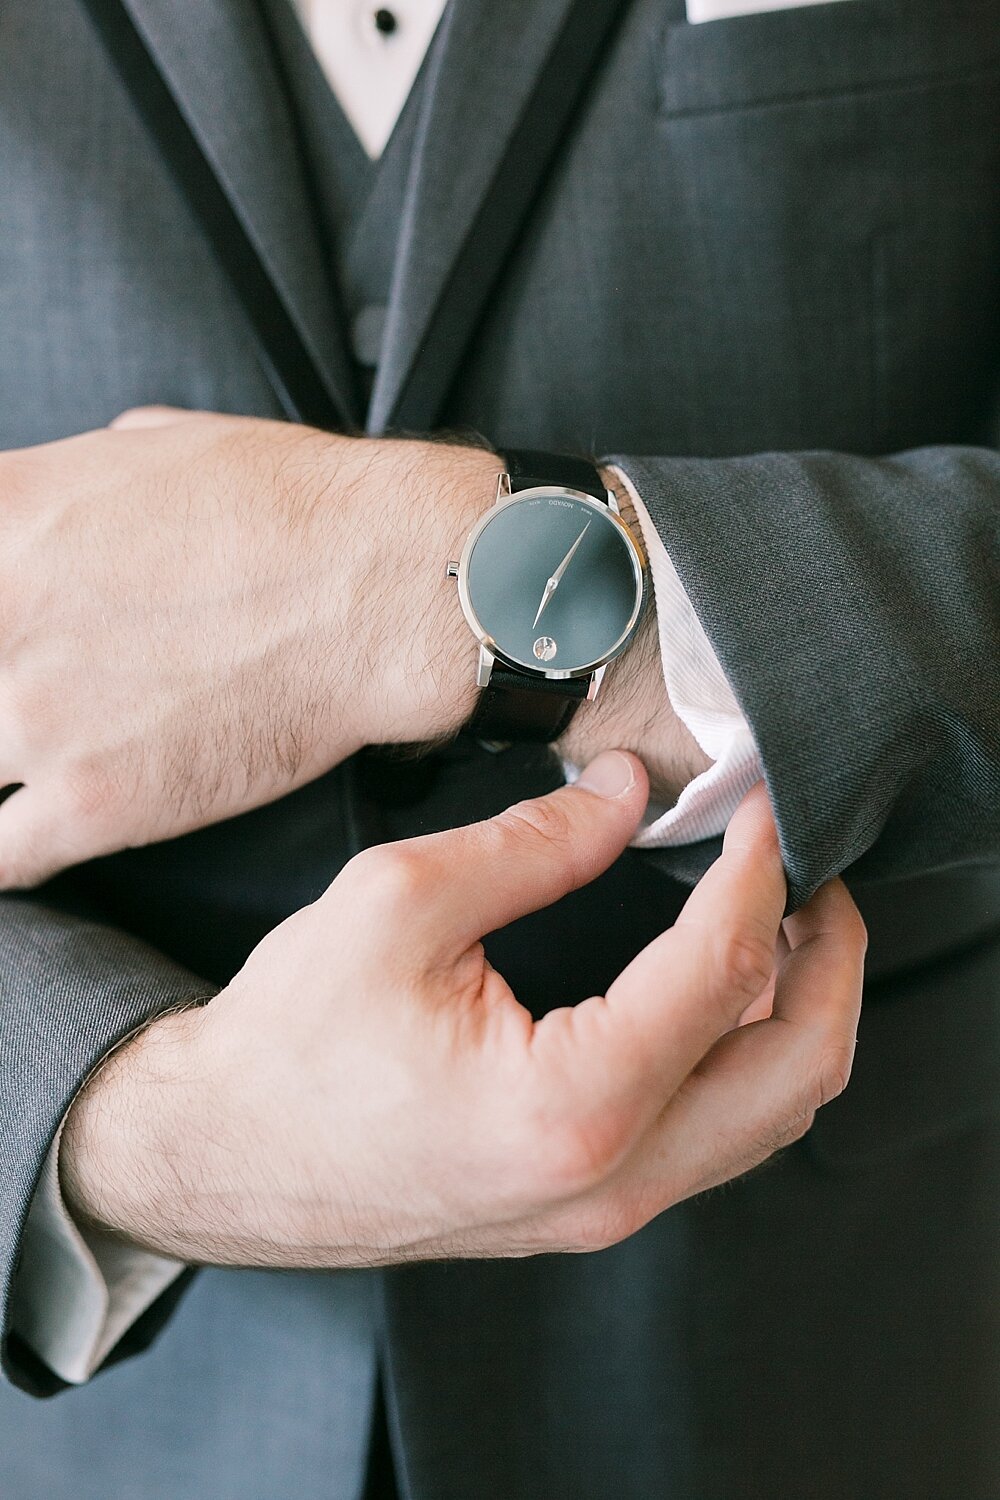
(552, 584)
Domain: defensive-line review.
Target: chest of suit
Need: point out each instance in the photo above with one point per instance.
(775, 231)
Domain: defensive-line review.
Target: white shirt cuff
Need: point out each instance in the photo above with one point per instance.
(704, 702)
(76, 1294)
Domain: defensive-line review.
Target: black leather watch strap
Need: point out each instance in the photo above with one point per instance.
(516, 705)
(532, 710)
(528, 468)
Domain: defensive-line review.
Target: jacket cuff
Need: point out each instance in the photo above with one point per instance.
(77, 1293)
(703, 700)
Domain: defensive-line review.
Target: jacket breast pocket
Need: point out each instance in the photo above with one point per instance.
(834, 199)
(803, 53)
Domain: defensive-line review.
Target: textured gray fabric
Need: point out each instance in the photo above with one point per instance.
(897, 605)
(68, 990)
(767, 236)
(259, 1388)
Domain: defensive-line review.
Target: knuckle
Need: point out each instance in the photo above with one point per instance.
(605, 1222)
(845, 919)
(24, 865)
(771, 1140)
(129, 414)
(745, 961)
(787, 1132)
(389, 877)
(18, 478)
(542, 822)
(832, 1071)
(569, 1161)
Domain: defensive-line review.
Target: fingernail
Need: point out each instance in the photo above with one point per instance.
(610, 775)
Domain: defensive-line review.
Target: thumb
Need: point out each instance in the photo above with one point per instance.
(483, 876)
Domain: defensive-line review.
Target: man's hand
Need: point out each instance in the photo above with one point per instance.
(200, 613)
(368, 1089)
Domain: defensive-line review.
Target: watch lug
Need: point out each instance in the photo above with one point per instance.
(595, 683)
(613, 503)
(484, 669)
(504, 490)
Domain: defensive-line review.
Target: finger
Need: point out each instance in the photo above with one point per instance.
(760, 1086)
(693, 982)
(153, 416)
(473, 880)
(620, 1057)
(750, 854)
(36, 840)
(760, 1009)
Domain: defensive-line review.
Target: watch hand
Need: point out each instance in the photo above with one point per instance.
(557, 575)
(551, 584)
(550, 587)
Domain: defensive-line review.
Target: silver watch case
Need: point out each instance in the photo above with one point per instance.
(489, 652)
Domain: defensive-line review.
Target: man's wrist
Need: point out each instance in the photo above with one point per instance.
(424, 675)
(633, 710)
(118, 1159)
(421, 672)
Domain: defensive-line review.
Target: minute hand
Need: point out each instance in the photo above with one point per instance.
(553, 583)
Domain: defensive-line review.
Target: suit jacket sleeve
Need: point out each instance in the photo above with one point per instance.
(69, 990)
(854, 605)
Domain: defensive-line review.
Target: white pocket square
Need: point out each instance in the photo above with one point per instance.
(719, 10)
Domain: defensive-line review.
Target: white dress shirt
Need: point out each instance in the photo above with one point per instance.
(720, 10)
(76, 1294)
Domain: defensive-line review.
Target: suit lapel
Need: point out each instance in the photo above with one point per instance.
(217, 60)
(485, 63)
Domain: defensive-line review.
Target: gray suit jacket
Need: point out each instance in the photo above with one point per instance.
(771, 243)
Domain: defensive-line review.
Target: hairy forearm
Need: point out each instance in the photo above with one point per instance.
(288, 609)
(420, 499)
(168, 1149)
(130, 1146)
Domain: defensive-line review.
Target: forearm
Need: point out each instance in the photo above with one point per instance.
(297, 612)
(418, 500)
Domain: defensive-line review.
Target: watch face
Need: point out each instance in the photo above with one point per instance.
(552, 582)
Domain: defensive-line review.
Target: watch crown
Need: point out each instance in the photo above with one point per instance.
(451, 569)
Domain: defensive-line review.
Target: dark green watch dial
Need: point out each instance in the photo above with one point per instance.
(554, 582)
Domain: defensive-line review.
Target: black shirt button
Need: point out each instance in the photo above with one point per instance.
(385, 21)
